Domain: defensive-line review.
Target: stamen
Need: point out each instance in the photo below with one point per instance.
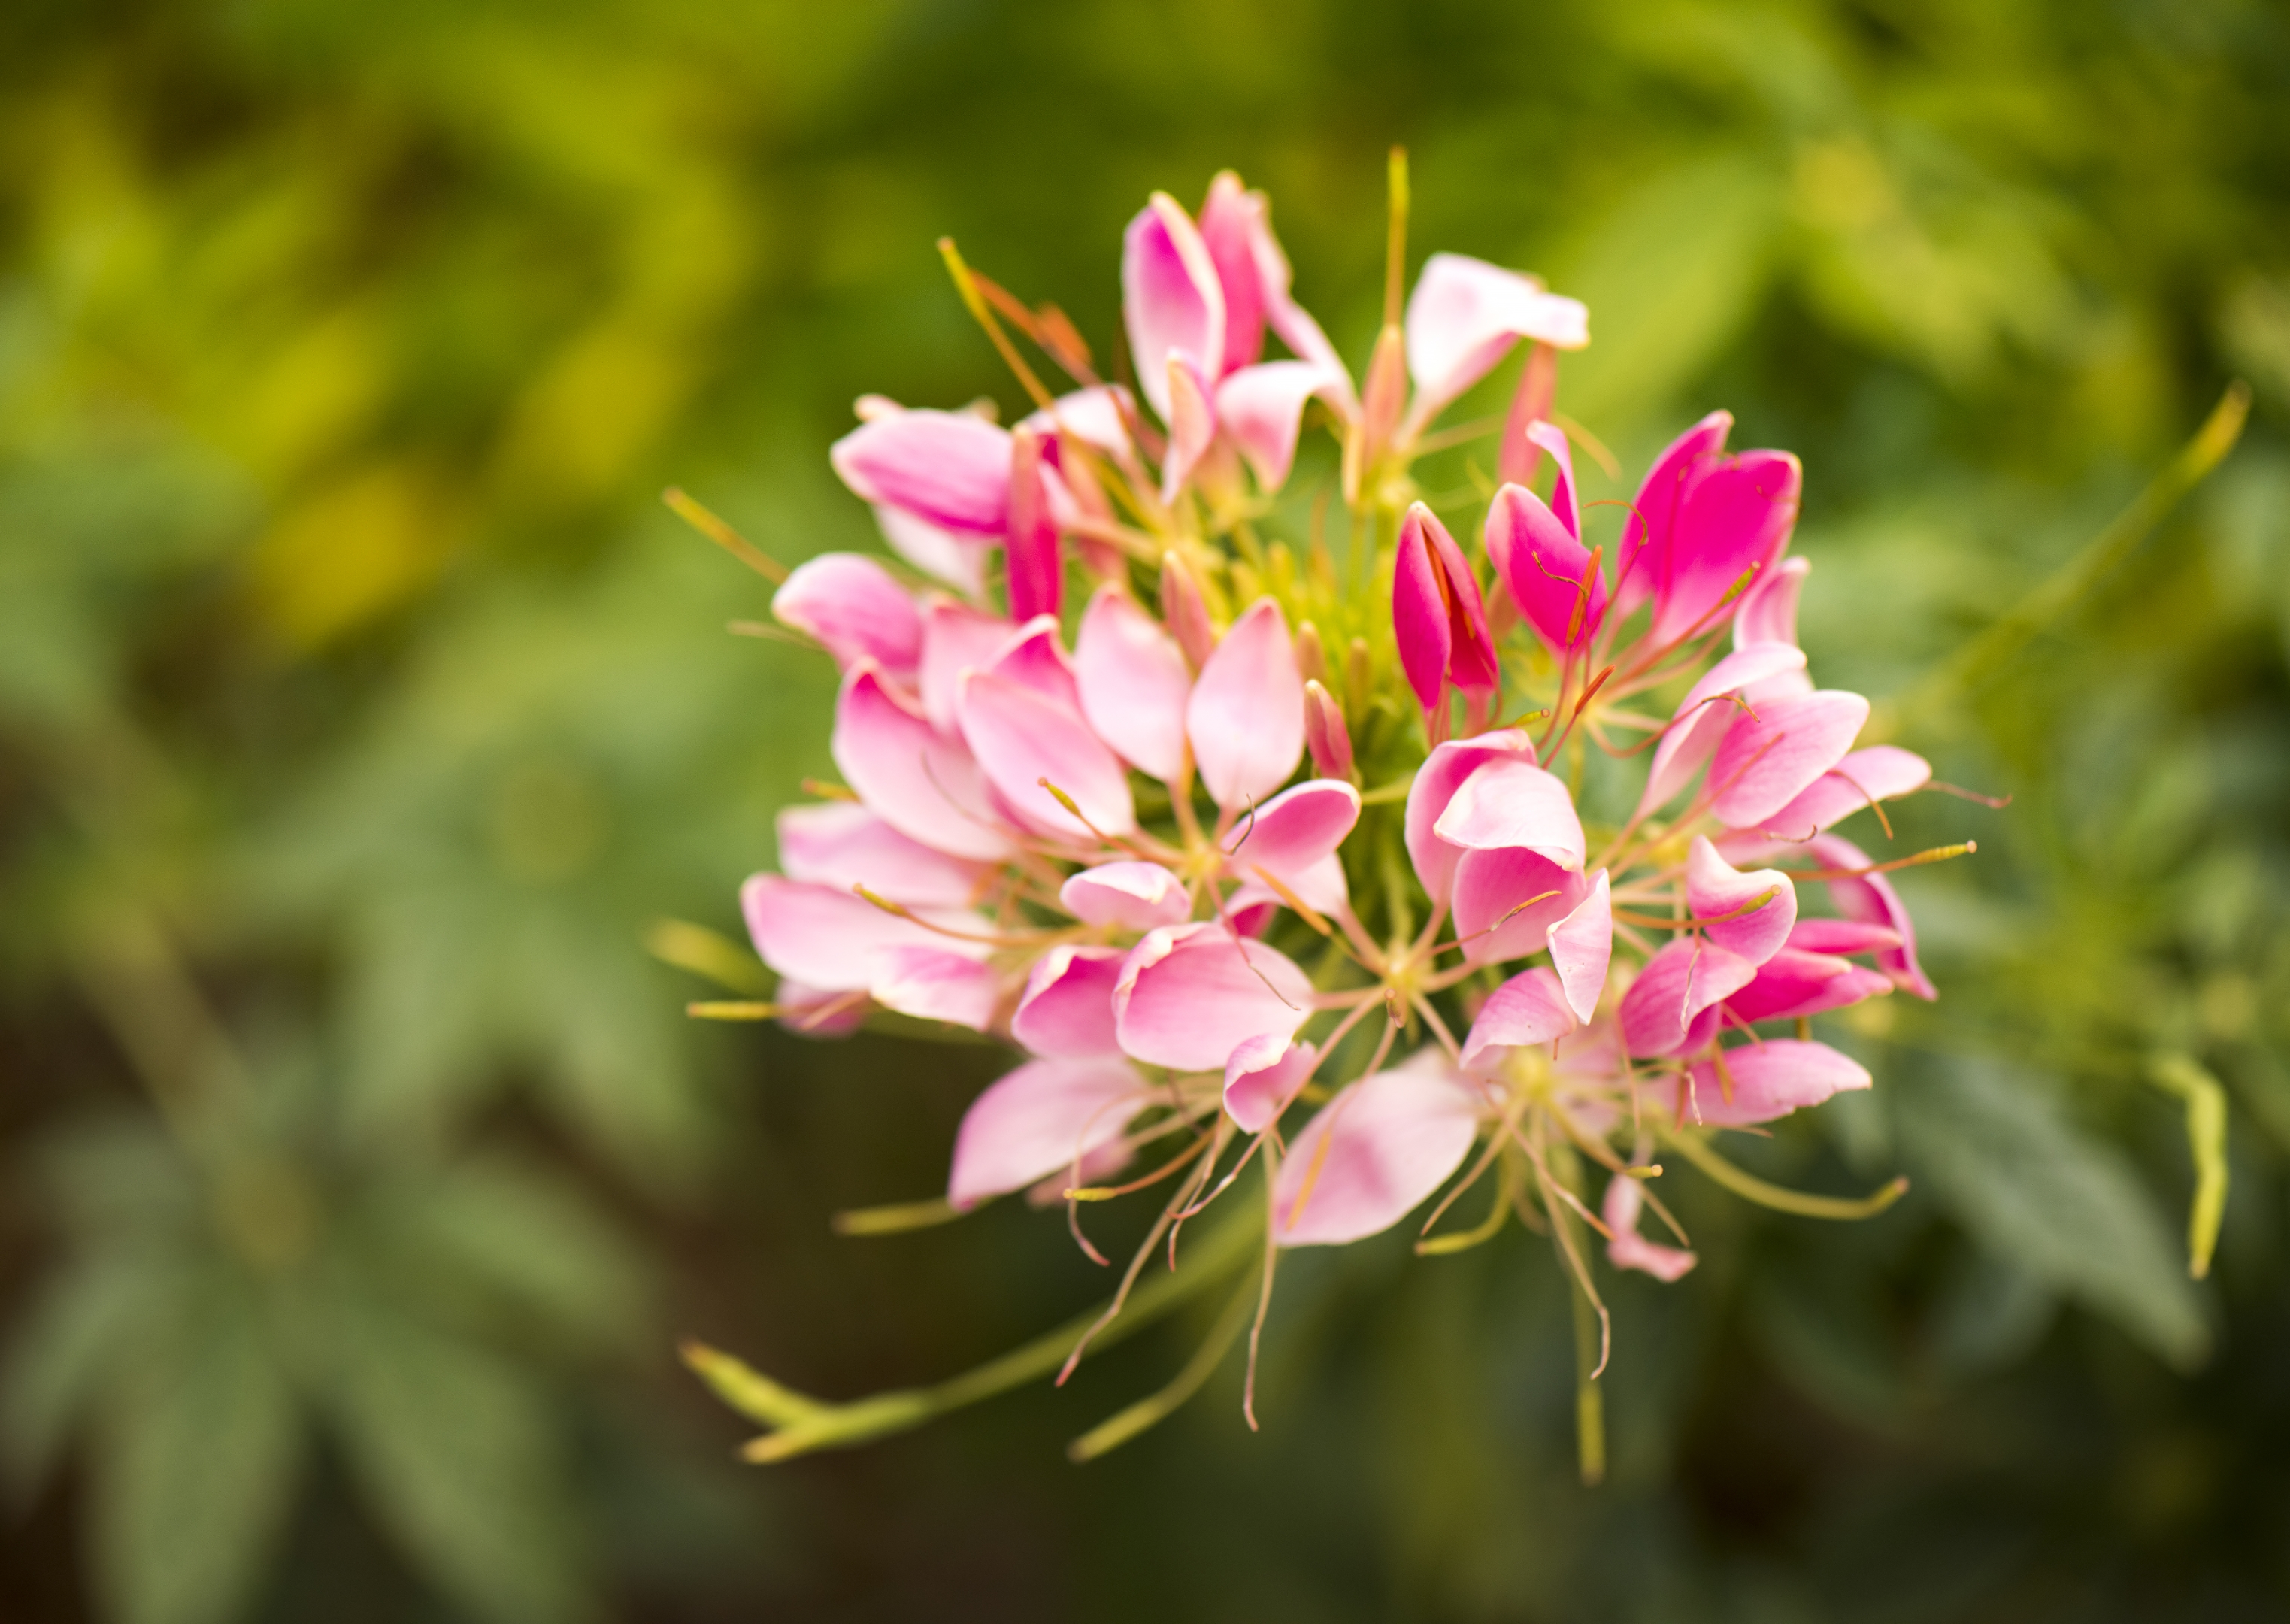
(1296, 904)
(732, 1009)
(1118, 1429)
(825, 791)
(722, 535)
(967, 284)
(897, 1218)
(992, 938)
(1937, 854)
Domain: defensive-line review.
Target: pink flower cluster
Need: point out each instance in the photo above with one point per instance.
(1097, 844)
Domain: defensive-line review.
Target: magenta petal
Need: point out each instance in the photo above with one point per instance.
(1863, 779)
(1374, 1152)
(1714, 887)
(854, 608)
(1171, 297)
(931, 983)
(1844, 937)
(1793, 984)
(1067, 1009)
(1262, 1078)
(1188, 997)
(1661, 1010)
(1035, 552)
(1506, 900)
(1768, 612)
(827, 939)
(1035, 1121)
(1463, 317)
(1245, 715)
(1231, 217)
(1581, 946)
(923, 785)
(1527, 1011)
(1421, 624)
(1767, 760)
(1649, 534)
(1625, 1199)
(1770, 1079)
(1870, 899)
(1133, 682)
(1543, 568)
(838, 845)
(948, 468)
(1129, 895)
(1735, 514)
(1022, 738)
(1510, 802)
(1261, 408)
(1435, 786)
(956, 639)
(1707, 712)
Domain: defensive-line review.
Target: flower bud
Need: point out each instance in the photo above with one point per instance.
(1184, 612)
(1324, 732)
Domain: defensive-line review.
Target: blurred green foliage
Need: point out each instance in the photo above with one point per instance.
(358, 708)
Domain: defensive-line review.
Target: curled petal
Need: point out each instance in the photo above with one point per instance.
(1131, 895)
(1190, 994)
(1769, 609)
(829, 940)
(1625, 1199)
(1437, 780)
(1581, 946)
(956, 639)
(1870, 900)
(1863, 779)
(1544, 569)
(1245, 715)
(1649, 537)
(1034, 658)
(1714, 887)
(1020, 738)
(1171, 297)
(1262, 1078)
(1842, 937)
(837, 844)
(932, 983)
(1511, 802)
(1374, 1152)
(1661, 1014)
(1507, 899)
(1529, 1009)
(1768, 1079)
(1735, 515)
(948, 468)
(1794, 984)
(1043, 1116)
(1766, 760)
(922, 784)
(1464, 315)
(1132, 684)
(1231, 217)
(1067, 1009)
(1296, 828)
(1261, 408)
(851, 605)
(1706, 711)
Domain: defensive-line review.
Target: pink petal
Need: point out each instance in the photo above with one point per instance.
(1261, 408)
(931, 983)
(1129, 895)
(948, 468)
(1649, 534)
(1262, 1077)
(1437, 615)
(1734, 514)
(1529, 1009)
(957, 560)
(1191, 416)
(1035, 552)
(1794, 983)
(1132, 683)
(1542, 566)
(1770, 1079)
(1661, 1011)
(1331, 741)
(1530, 404)
(1230, 218)
(1040, 1118)
(1625, 1198)
(1296, 828)
(1188, 997)
(1511, 802)
(852, 605)
(1768, 611)
(825, 939)
(923, 785)
(1464, 315)
(1507, 899)
(1706, 711)
(1034, 657)
(1870, 900)
(1319, 887)
(1582, 944)
(1714, 887)
(1842, 936)
(1767, 760)
(1067, 1009)
(1878, 774)
(1171, 297)
(1020, 738)
(1097, 417)
(814, 1012)
(838, 845)
(956, 639)
(1245, 716)
(1289, 319)
(1373, 1153)
(1435, 786)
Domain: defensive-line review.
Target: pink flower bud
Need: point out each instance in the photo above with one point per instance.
(1325, 732)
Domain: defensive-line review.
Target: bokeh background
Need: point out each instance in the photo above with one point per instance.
(360, 708)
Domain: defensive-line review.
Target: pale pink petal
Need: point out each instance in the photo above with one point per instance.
(814, 1012)
(1661, 1011)
(1705, 713)
(1507, 899)
(1261, 408)
(1842, 936)
(1435, 786)
(957, 560)
(1625, 1199)
(1097, 417)
(1769, 609)
(1262, 1077)
(1129, 895)
(1295, 828)
(921, 783)
(1373, 1153)
(1187, 996)
(1067, 1009)
(1040, 1118)
(1133, 682)
(1245, 715)
(1769, 1079)
(1648, 533)
(1464, 315)
(1510, 802)
(1863, 777)
(1171, 297)
(1318, 885)
(931, 983)
(1793, 984)
(1582, 944)
(956, 639)
(827, 939)
(1191, 416)
(1231, 217)
(1034, 657)
(1735, 515)
(1767, 760)
(839, 845)
(1714, 888)
(1529, 1009)
(1022, 738)
(1870, 899)
(948, 468)
(1035, 552)
(854, 608)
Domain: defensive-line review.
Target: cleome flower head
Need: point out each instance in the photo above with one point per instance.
(1270, 866)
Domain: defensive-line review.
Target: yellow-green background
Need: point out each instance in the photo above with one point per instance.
(359, 707)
